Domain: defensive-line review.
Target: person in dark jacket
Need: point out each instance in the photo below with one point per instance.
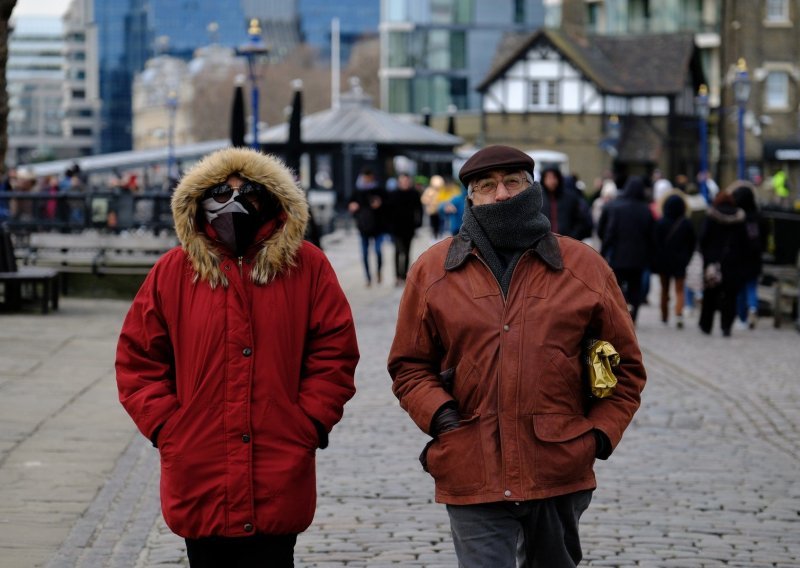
(626, 230)
(562, 207)
(674, 243)
(723, 243)
(403, 216)
(236, 359)
(367, 206)
(747, 301)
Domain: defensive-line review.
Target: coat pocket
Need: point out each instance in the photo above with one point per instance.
(564, 448)
(455, 459)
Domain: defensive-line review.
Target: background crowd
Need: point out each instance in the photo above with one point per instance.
(703, 244)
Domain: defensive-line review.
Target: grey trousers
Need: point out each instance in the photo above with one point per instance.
(528, 534)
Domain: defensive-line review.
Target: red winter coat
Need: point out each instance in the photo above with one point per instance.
(235, 360)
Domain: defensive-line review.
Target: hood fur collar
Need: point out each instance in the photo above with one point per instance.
(278, 252)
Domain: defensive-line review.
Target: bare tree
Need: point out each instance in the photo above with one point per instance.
(364, 64)
(276, 87)
(6, 7)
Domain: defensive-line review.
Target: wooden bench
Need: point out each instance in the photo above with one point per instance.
(96, 253)
(13, 278)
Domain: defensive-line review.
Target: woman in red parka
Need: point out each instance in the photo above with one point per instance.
(236, 359)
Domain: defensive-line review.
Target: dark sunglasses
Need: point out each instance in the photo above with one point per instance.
(222, 193)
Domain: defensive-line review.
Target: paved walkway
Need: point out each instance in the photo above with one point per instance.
(706, 476)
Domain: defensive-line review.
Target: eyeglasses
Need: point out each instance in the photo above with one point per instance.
(222, 193)
(512, 182)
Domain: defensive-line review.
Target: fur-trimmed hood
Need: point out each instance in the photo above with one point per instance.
(277, 253)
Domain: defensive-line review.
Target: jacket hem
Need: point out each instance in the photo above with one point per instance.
(498, 496)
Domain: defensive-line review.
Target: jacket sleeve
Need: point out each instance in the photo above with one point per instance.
(613, 322)
(414, 359)
(145, 362)
(331, 354)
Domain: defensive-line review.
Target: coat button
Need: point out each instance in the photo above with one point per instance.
(507, 493)
(506, 327)
(245, 438)
(247, 352)
(248, 527)
(227, 267)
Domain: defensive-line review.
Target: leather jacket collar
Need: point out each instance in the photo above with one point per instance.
(546, 248)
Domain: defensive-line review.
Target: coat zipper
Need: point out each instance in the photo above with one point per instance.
(241, 275)
(505, 309)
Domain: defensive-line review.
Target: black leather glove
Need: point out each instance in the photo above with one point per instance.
(446, 418)
(603, 445)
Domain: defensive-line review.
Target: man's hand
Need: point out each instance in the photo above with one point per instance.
(446, 418)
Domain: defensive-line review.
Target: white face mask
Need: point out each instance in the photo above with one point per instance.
(214, 209)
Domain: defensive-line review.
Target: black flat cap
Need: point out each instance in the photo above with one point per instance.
(494, 158)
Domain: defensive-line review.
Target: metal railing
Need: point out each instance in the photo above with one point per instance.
(74, 212)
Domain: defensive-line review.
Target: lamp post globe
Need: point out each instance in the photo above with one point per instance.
(702, 114)
(253, 51)
(741, 92)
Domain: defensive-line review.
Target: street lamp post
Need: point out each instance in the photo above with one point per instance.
(741, 91)
(253, 51)
(172, 108)
(702, 114)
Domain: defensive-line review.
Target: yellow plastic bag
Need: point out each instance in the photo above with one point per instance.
(601, 358)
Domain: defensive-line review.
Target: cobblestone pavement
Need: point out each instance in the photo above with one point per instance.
(705, 476)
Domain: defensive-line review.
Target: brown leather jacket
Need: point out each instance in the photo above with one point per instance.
(527, 420)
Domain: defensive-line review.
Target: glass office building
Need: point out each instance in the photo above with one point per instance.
(434, 52)
(130, 32)
(357, 18)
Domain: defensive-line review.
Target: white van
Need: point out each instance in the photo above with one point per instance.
(545, 159)
(542, 159)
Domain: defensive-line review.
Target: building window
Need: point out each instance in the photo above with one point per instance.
(543, 94)
(777, 10)
(519, 11)
(78, 94)
(399, 95)
(777, 91)
(594, 17)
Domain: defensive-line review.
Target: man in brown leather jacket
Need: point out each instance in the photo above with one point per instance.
(487, 360)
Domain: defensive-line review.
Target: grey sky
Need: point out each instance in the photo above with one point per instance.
(40, 7)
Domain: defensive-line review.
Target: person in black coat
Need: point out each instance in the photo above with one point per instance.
(626, 229)
(674, 243)
(723, 242)
(403, 216)
(747, 300)
(563, 207)
(367, 206)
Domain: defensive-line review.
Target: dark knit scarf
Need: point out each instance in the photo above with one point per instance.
(503, 231)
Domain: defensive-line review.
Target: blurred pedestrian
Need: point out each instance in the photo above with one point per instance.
(674, 243)
(562, 207)
(608, 191)
(626, 230)
(452, 211)
(780, 185)
(486, 357)
(6, 186)
(403, 216)
(235, 360)
(743, 193)
(367, 206)
(22, 209)
(430, 200)
(723, 244)
(662, 188)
